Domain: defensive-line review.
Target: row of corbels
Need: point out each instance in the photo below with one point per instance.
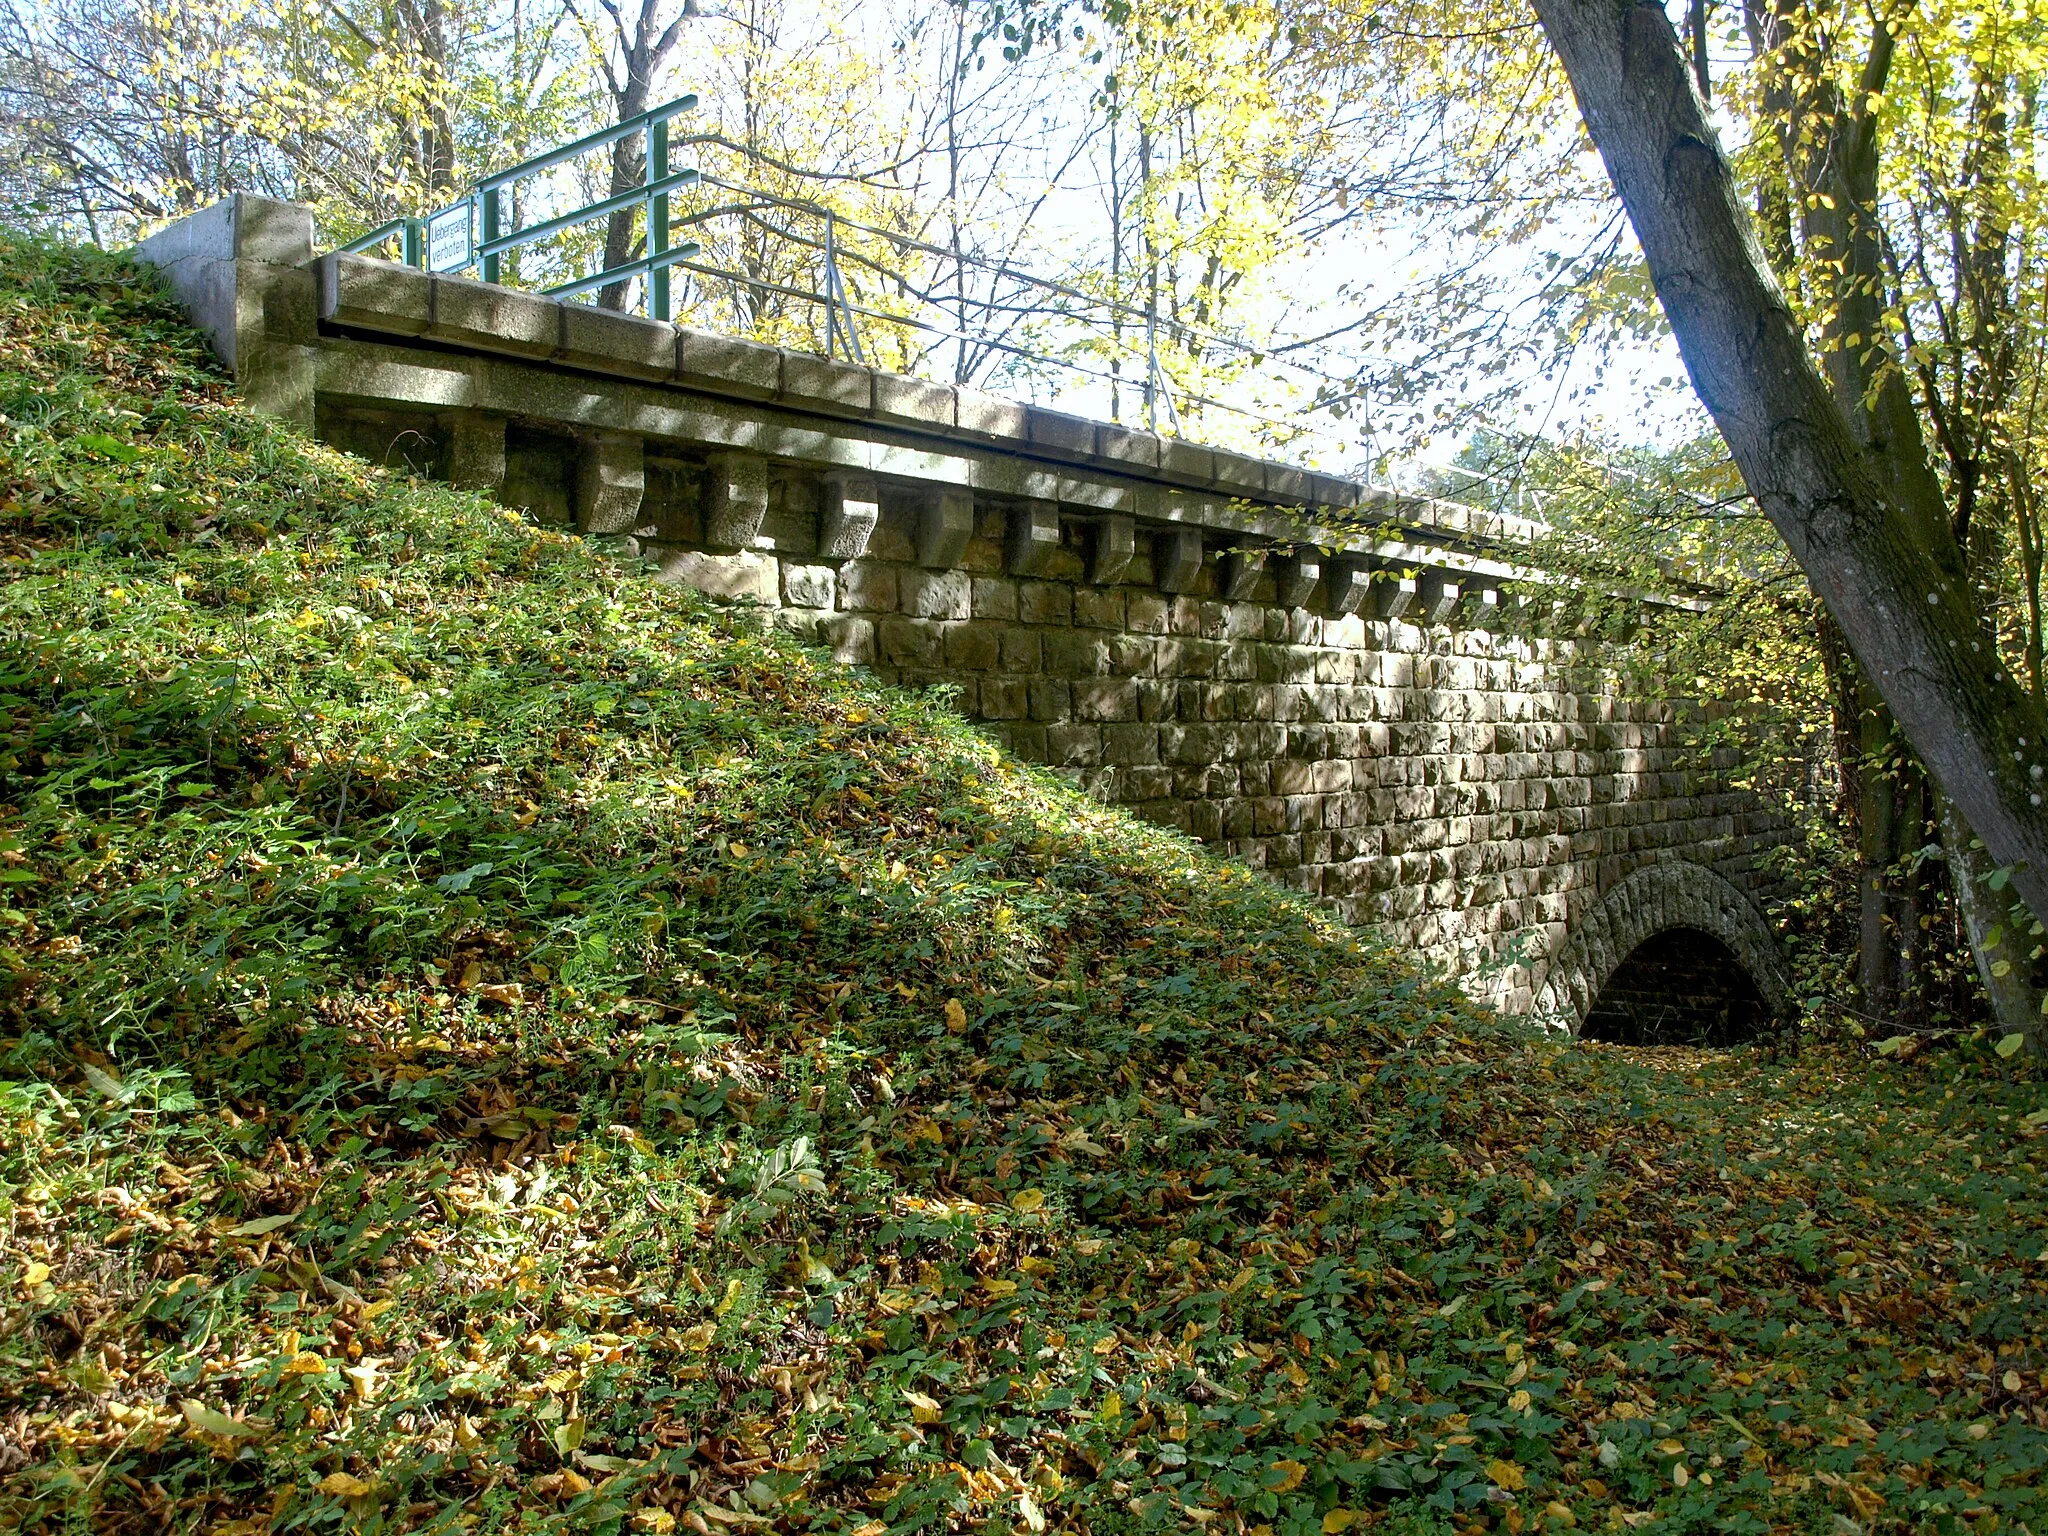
(851, 507)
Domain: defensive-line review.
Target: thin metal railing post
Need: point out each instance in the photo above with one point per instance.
(831, 288)
(657, 219)
(409, 244)
(1151, 370)
(489, 220)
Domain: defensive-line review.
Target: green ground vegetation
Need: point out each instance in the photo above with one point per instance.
(490, 1043)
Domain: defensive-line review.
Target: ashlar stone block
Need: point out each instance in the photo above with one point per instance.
(1177, 558)
(735, 500)
(937, 594)
(611, 477)
(1437, 597)
(493, 318)
(1033, 537)
(1242, 568)
(944, 525)
(849, 507)
(1393, 596)
(743, 575)
(1350, 582)
(373, 295)
(1114, 542)
(1295, 576)
(476, 450)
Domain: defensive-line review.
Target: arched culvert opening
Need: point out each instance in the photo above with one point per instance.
(1678, 987)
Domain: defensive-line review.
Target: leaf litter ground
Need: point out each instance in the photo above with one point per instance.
(489, 1043)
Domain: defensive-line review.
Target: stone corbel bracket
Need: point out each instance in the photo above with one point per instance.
(1112, 548)
(850, 505)
(945, 522)
(1033, 537)
(1295, 575)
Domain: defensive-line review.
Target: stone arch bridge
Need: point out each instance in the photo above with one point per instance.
(1346, 707)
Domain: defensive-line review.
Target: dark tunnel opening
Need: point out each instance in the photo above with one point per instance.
(1678, 987)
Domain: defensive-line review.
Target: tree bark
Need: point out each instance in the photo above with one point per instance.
(1998, 934)
(1899, 595)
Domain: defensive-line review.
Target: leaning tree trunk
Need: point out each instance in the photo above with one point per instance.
(1904, 607)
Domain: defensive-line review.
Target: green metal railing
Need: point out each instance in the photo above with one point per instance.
(482, 221)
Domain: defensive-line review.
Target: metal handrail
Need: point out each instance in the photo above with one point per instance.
(653, 266)
(527, 234)
(486, 213)
(687, 102)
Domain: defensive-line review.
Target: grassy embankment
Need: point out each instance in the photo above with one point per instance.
(489, 1043)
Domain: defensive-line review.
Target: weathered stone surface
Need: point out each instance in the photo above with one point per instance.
(493, 318)
(849, 507)
(1033, 537)
(726, 365)
(1393, 596)
(610, 480)
(476, 450)
(1295, 575)
(1177, 558)
(822, 382)
(986, 416)
(1242, 568)
(607, 342)
(914, 402)
(945, 523)
(937, 594)
(1437, 597)
(743, 575)
(735, 500)
(809, 586)
(1055, 429)
(374, 295)
(1112, 543)
(1349, 582)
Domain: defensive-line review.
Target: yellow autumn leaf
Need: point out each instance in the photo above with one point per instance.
(1025, 1201)
(1556, 1514)
(304, 1363)
(213, 1422)
(341, 1486)
(36, 1273)
(1340, 1519)
(1284, 1476)
(923, 1410)
(956, 1016)
(1505, 1474)
(1519, 1400)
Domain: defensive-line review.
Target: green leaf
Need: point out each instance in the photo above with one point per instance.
(461, 880)
(109, 447)
(2010, 1045)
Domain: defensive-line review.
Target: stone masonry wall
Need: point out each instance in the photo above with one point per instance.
(1469, 792)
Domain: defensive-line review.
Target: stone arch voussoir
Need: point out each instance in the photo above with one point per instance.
(1659, 897)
